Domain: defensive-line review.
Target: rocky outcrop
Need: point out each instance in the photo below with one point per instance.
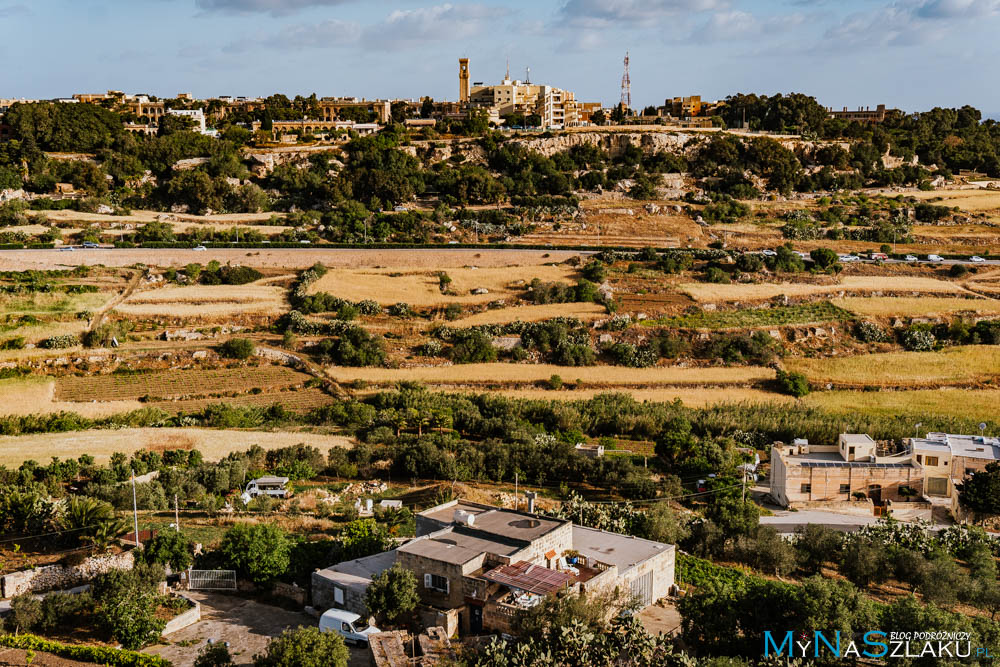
(614, 143)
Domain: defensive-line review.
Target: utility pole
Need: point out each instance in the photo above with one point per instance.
(135, 512)
(177, 516)
(516, 503)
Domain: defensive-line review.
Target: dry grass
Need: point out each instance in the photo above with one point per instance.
(527, 373)
(101, 444)
(583, 311)
(37, 396)
(178, 383)
(207, 301)
(46, 329)
(695, 397)
(41, 303)
(962, 403)
(967, 200)
(956, 365)
(422, 288)
(888, 306)
(709, 292)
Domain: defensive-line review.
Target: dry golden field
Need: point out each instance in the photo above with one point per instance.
(583, 311)
(36, 395)
(597, 376)
(963, 403)
(967, 200)
(101, 444)
(887, 306)
(955, 365)
(45, 303)
(206, 301)
(695, 397)
(709, 292)
(422, 288)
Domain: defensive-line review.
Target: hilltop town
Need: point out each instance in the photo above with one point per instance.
(516, 379)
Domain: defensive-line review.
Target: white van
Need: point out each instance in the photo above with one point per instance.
(347, 624)
(266, 486)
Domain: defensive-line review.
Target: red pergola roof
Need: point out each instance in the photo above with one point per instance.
(527, 577)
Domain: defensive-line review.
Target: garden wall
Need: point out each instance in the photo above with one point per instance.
(62, 577)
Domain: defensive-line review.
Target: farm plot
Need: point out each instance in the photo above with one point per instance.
(978, 404)
(101, 444)
(423, 288)
(583, 311)
(887, 306)
(966, 365)
(708, 292)
(811, 313)
(176, 384)
(967, 200)
(204, 301)
(36, 395)
(299, 400)
(592, 376)
(695, 397)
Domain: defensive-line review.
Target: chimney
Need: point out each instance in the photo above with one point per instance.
(531, 495)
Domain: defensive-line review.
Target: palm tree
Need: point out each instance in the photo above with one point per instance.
(93, 521)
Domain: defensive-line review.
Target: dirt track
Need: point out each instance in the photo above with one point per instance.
(290, 258)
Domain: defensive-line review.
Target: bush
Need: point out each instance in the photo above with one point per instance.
(304, 647)
(237, 348)
(259, 551)
(869, 332)
(471, 347)
(555, 382)
(127, 602)
(958, 270)
(714, 274)
(794, 384)
(354, 347)
(169, 548)
(918, 340)
(60, 342)
(101, 655)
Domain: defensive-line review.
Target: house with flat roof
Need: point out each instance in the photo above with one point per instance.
(477, 566)
(948, 458)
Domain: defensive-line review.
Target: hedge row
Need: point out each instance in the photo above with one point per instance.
(100, 655)
(29, 246)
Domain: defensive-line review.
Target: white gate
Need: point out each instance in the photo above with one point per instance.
(212, 580)
(642, 589)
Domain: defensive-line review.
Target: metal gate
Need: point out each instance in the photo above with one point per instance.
(642, 589)
(212, 580)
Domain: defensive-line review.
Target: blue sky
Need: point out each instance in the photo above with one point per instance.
(914, 54)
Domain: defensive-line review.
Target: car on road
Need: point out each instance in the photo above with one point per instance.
(348, 625)
(912, 258)
(769, 253)
(199, 248)
(849, 258)
(935, 258)
(879, 256)
(305, 242)
(90, 244)
(68, 248)
(976, 258)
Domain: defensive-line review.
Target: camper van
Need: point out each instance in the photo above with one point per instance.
(276, 487)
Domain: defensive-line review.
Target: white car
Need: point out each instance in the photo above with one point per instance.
(347, 624)
(769, 253)
(68, 248)
(935, 258)
(849, 258)
(912, 258)
(199, 248)
(976, 258)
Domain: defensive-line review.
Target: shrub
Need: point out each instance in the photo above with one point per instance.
(595, 271)
(794, 384)
(555, 382)
(958, 270)
(472, 346)
(714, 274)
(60, 342)
(101, 655)
(400, 310)
(918, 340)
(870, 332)
(259, 551)
(354, 347)
(304, 647)
(237, 348)
(169, 548)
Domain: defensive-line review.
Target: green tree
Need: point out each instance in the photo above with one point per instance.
(259, 551)
(980, 492)
(26, 612)
(794, 384)
(214, 655)
(169, 547)
(824, 258)
(392, 596)
(864, 562)
(304, 647)
(92, 521)
(237, 348)
(363, 537)
(127, 602)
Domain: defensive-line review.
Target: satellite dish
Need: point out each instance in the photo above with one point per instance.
(982, 426)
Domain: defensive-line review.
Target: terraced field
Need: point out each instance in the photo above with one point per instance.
(177, 384)
(811, 313)
(301, 400)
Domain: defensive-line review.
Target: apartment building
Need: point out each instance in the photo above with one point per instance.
(861, 115)
(478, 566)
(947, 459)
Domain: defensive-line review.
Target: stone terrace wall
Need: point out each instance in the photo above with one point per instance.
(61, 577)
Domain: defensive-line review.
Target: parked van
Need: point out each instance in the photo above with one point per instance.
(347, 624)
(270, 485)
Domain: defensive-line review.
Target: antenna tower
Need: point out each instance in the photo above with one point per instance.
(626, 87)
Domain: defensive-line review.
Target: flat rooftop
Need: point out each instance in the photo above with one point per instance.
(367, 567)
(834, 460)
(497, 521)
(452, 546)
(857, 439)
(615, 549)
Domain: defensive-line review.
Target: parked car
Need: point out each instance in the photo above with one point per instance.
(976, 258)
(879, 255)
(90, 244)
(199, 248)
(347, 624)
(912, 258)
(68, 248)
(849, 258)
(305, 242)
(769, 253)
(935, 258)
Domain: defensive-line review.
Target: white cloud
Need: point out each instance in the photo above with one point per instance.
(735, 25)
(273, 7)
(909, 22)
(414, 27)
(611, 13)
(322, 35)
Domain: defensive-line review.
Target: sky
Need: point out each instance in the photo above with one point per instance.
(909, 54)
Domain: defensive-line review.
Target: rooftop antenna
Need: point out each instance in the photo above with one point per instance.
(507, 78)
(527, 75)
(626, 86)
